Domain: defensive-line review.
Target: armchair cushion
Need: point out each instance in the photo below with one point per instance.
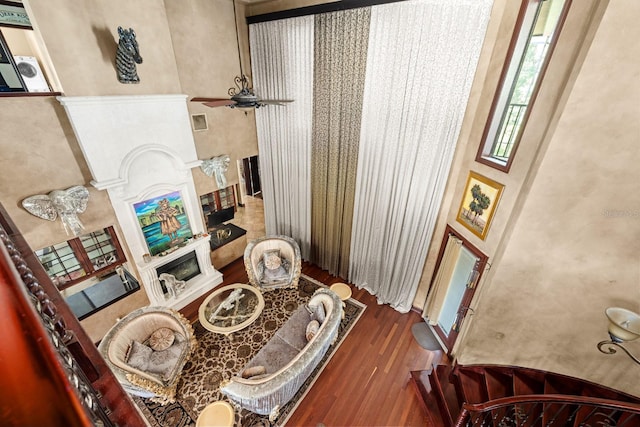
(275, 276)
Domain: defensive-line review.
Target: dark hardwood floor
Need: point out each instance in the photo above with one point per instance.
(367, 382)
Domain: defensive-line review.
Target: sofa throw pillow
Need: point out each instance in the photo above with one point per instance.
(138, 356)
(312, 329)
(161, 339)
(253, 371)
(317, 312)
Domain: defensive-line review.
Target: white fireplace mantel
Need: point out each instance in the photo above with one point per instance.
(148, 271)
(138, 148)
(113, 129)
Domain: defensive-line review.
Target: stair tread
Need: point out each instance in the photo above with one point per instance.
(445, 396)
(428, 398)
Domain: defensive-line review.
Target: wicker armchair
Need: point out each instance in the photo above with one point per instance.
(117, 345)
(288, 262)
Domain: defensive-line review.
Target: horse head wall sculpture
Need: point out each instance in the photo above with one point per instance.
(127, 56)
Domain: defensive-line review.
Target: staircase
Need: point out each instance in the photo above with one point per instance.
(512, 396)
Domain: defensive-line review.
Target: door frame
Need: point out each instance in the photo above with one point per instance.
(463, 308)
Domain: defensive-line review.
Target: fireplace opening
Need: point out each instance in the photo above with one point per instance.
(184, 268)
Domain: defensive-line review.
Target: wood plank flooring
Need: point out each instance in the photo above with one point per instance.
(367, 382)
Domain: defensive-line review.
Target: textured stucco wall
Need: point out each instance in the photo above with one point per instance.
(550, 99)
(204, 38)
(39, 149)
(574, 249)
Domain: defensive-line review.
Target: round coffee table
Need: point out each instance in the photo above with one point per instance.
(231, 308)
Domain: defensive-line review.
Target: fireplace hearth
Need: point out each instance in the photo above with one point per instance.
(183, 268)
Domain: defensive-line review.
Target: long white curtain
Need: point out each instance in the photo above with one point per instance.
(421, 61)
(282, 63)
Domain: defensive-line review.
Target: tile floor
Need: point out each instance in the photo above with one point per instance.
(251, 217)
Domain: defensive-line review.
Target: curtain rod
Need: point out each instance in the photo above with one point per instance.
(316, 9)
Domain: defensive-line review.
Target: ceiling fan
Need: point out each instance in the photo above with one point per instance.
(241, 96)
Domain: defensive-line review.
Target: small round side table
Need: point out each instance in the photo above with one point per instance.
(217, 414)
(342, 289)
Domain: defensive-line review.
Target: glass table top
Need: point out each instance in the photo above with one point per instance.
(231, 308)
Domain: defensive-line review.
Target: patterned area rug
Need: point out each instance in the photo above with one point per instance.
(218, 358)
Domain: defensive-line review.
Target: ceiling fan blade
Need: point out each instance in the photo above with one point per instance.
(275, 101)
(215, 102)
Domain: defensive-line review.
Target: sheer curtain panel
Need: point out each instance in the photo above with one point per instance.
(282, 64)
(421, 60)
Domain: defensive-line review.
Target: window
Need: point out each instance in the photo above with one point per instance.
(227, 198)
(218, 200)
(76, 260)
(218, 207)
(532, 44)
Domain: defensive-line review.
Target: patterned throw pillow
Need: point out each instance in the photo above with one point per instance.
(312, 329)
(271, 259)
(161, 339)
(138, 356)
(317, 312)
(164, 362)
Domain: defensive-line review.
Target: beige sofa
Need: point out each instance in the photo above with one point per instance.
(288, 359)
(138, 326)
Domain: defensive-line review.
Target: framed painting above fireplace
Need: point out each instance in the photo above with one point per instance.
(164, 222)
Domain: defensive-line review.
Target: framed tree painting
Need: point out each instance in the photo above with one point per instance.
(478, 205)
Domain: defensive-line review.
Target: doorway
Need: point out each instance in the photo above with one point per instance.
(458, 270)
(250, 173)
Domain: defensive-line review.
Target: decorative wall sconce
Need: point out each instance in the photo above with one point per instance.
(624, 325)
(218, 166)
(64, 203)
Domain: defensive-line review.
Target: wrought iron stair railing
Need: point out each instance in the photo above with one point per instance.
(550, 410)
